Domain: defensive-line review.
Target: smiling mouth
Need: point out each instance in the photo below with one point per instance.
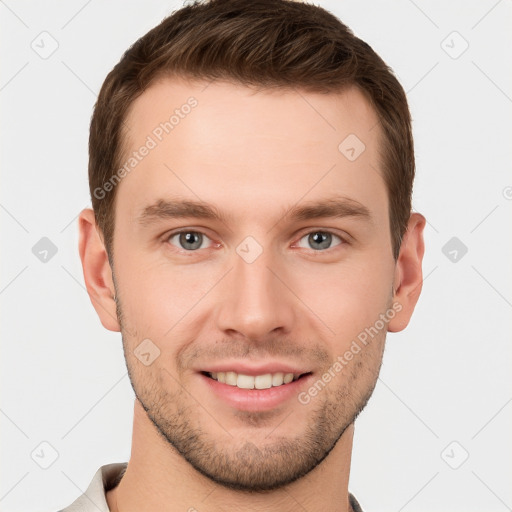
(265, 381)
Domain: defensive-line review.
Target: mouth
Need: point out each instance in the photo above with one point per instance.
(263, 381)
(256, 387)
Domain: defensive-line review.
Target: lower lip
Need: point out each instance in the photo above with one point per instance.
(256, 399)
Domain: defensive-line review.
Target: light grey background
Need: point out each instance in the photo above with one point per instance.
(445, 379)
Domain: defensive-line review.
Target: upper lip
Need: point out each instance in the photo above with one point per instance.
(254, 369)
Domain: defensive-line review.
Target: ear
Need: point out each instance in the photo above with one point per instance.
(408, 273)
(97, 271)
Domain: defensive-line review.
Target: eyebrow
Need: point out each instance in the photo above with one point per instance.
(339, 207)
(174, 209)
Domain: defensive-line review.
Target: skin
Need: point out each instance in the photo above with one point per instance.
(253, 155)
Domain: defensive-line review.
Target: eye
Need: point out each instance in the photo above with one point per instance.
(189, 240)
(319, 240)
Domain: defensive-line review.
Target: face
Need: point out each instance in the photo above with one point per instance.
(250, 249)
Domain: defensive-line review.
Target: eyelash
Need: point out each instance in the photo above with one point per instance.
(167, 237)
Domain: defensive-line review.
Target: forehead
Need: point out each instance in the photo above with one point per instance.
(255, 150)
(255, 112)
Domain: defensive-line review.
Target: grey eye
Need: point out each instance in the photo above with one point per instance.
(319, 240)
(189, 240)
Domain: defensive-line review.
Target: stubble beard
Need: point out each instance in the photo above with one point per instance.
(240, 464)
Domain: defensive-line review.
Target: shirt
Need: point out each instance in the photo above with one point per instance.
(107, 477)
(94, 498)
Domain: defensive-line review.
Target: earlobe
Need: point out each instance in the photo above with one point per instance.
(97, 270)
(408, 272)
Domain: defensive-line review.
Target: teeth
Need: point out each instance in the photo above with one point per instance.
(288, 377)
(265, 381)
(245, 382)
(277, 379)
(231, 378)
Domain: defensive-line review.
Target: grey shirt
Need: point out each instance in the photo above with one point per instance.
(107, 477)
(94, 498)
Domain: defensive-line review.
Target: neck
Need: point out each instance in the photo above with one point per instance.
(159, 478)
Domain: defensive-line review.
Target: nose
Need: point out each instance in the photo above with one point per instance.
(255, 301)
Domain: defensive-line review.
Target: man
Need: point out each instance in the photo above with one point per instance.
(251, 237)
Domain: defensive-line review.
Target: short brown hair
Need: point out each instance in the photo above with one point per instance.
(262, 43)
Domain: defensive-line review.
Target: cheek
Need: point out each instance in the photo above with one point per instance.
(144, 297)
(161, 299)
(348, 298)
